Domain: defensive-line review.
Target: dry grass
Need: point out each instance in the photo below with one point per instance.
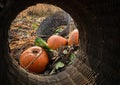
(41, 10)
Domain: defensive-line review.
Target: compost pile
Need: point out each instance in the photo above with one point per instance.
(22, 35)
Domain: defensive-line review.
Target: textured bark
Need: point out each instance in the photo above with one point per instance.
(98, 61)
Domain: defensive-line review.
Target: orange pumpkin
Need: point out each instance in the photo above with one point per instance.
(73, 37)
(34, 59)
(56, 41)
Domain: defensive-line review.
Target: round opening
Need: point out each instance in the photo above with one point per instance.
(35, 26)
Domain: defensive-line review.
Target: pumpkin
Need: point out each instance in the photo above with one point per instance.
(73, 37)
(56, 41)
(34, 59)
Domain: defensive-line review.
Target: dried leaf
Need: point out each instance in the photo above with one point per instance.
(35, 26)
(65, 52)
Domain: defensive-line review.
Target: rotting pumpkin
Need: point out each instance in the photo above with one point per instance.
(34, 59)
(56, 41)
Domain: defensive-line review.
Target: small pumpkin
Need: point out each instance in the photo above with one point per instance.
(56, 41)
(34, 59)
(73, 37)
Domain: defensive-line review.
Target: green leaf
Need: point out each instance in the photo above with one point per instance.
(72, 56)
(58, 30)
(59, 65)
(53, 71)
(40, 42)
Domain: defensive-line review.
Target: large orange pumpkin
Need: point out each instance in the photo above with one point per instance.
(34, 59)
(56, 41)
(73, 37)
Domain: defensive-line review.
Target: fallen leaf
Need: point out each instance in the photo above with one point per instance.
(72, 56)
(59, 65)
